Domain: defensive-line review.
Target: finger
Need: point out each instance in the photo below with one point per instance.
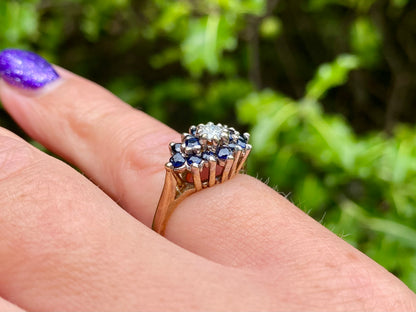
(115, 145)
(6, 306)
(258, 229)
(66, 246)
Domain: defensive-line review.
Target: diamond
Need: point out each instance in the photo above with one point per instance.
(210, 132)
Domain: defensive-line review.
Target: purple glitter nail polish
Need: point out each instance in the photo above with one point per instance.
(25, 69)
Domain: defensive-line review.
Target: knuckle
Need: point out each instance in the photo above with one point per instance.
(82, 120)
(143, 154)
(136, 153)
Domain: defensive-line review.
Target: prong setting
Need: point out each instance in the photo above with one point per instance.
(209, 154)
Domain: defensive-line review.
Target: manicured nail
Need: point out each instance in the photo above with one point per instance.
(25, 69)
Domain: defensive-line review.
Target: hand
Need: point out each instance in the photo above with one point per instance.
(76, 243)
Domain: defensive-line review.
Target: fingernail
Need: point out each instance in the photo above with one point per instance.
(25, 69)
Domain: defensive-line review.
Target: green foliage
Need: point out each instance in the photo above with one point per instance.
(207, 38)
(19, 21)
(186, 62)
(330, 75)
(365, 41)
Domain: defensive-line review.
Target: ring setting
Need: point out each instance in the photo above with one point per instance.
(207, 155)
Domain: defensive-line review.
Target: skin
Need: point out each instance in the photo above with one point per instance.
(73, 242)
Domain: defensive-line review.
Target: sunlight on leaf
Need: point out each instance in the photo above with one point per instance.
(331, 75)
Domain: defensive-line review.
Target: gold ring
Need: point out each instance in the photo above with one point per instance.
(208, 155)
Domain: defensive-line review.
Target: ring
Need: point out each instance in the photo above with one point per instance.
(208, 155)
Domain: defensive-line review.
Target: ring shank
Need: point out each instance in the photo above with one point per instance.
(168, 202)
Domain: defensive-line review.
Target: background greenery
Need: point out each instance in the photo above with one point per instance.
(326, 88)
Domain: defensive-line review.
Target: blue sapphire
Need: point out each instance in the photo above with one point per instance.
(177, 160)
(206, 155)
(232, 146)
(193, 159)
(223, 153)
(231, 137)
(242, 142)
(176, 148)
(191, 141)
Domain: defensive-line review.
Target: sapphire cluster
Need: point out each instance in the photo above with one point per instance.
(207, 143)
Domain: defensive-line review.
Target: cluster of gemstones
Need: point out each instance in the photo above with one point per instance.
(205, 143)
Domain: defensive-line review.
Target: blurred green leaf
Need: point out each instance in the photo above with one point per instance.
(208, 37)
(19, 21)
(365, 41)
(311, 193)
(401, 232)
(265, 132)
(331, 75)
(171, 18)
(255, 7)
(166, 57)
